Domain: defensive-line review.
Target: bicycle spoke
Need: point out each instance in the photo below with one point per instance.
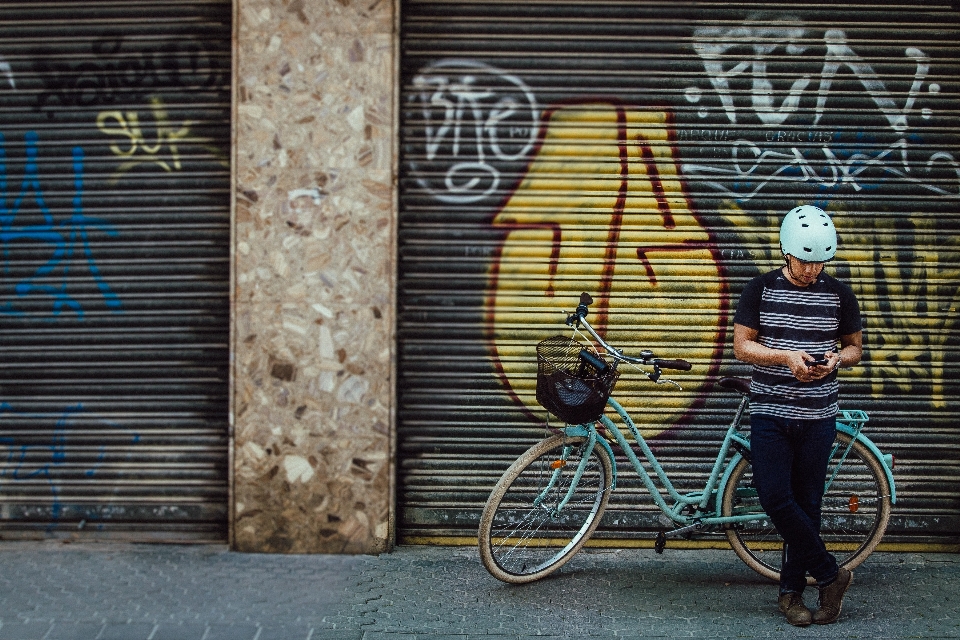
(525, 531)
(854, 511)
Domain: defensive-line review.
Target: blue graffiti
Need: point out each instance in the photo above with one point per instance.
(48, 460)
(831, 169)
(68, 240)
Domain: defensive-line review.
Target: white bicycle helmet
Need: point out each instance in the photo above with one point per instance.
(807, 233)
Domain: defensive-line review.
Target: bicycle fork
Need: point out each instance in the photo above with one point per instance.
(559, 465)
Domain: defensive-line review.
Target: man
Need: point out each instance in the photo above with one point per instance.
(787, 325)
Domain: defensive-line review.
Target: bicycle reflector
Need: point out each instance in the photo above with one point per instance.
(556, 464)
(854, 503)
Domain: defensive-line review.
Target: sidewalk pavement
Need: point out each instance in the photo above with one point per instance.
(54, 591)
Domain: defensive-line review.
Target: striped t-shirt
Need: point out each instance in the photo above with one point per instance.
(796, 318)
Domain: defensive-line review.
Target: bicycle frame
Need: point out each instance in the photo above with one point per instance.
(701, 500)
(705, 514)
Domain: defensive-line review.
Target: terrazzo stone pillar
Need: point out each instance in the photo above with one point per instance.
(314, 275)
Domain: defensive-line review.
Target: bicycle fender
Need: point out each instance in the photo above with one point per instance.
(722, 485)
(581, 431)
(865, 441)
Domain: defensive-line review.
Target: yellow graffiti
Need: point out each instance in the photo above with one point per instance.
(602, 209)
(906, 339)
(909, 294)
(162, 151)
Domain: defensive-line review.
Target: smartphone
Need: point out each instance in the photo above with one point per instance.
(817, 361)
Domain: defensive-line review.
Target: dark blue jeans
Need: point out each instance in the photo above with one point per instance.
(789, 468)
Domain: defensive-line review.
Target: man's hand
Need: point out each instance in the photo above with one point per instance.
(817, 371)
(801, 366)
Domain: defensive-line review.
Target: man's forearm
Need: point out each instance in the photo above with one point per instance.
(850, 356)
(753, 352)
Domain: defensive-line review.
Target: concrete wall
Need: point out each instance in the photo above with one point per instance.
(314, 275)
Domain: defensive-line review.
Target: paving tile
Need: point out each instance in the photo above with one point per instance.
(16, 630)
(127, 631)
(231, 632)
(284, 632)
(336, 634)
(74, 631)
(179, 632)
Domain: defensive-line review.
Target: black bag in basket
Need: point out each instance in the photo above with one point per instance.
(572, 383)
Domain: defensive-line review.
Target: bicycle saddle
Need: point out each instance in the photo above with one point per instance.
(740, 385)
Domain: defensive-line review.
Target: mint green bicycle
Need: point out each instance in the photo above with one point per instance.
(550, 501)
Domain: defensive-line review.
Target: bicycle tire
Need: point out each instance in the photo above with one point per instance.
(855, 513)
(521, 541)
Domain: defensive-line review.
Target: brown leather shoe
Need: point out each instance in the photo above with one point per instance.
(831, 598)
(791, 605)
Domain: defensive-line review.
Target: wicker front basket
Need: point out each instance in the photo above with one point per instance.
(568, 386)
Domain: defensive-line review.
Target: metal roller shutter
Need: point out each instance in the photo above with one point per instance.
(644, 152)
(114, 288)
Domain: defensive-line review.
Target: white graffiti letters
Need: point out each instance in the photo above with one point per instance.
(7, 70)
(839, 54)
(713, 44)
(473, 117)
(871, 142)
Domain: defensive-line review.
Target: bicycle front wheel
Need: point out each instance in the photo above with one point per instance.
(526, 532)
(854, 514)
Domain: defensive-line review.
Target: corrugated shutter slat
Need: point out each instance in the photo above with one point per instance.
(114, 287)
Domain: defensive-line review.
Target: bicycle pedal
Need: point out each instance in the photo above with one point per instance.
(661, 542)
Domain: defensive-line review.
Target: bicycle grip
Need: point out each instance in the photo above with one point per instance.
(595, 362)
(679, 365)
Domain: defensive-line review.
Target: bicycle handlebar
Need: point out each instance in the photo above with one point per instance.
(579, 318)
(677, 364)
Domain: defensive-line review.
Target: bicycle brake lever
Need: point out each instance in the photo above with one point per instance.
(578, 315)
(655, 377)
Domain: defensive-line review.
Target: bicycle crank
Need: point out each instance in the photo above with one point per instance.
(661, 542)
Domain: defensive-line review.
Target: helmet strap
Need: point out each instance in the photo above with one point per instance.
(790, 272)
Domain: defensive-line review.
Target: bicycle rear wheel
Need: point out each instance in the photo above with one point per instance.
(855, 512)
(523, 536)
